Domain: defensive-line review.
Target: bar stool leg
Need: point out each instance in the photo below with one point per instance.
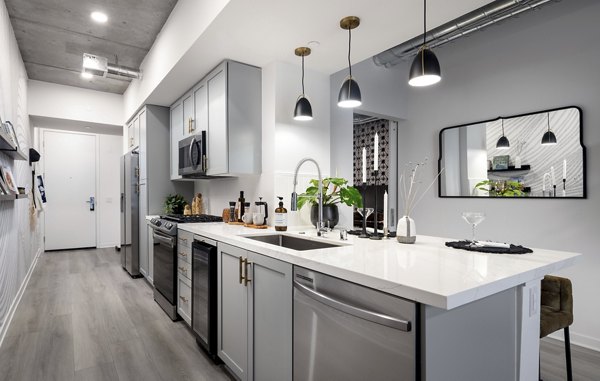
(568, 354)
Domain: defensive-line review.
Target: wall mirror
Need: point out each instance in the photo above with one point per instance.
(536, 155)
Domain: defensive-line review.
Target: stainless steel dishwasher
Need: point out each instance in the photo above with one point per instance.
(343, 331)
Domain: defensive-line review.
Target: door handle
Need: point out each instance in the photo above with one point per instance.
(389, 321)
(241, 263)
(190, 153)
(246, 277)
(92, 203)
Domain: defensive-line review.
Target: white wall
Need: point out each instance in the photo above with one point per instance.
(20, 238)
(541, 60)
(285, 142)
(74, 103)
(186, 23)
(109, 192)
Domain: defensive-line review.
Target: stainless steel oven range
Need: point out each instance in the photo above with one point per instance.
(164, 238)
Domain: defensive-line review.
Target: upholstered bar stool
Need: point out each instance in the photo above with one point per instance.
(557, 312)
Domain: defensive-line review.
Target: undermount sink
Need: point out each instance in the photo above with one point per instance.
(294, 243)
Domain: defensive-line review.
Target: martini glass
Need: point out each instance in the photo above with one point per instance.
(473, 219)
(368, 212)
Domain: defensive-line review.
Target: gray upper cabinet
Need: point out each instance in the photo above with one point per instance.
(188, 115)
(227, 104)
(176, 136)
(255, 314)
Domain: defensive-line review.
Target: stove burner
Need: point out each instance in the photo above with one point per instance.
(190, 219)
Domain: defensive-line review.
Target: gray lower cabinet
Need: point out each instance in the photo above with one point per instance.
(255, 314)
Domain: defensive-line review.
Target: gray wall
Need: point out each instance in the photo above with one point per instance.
(545, 59)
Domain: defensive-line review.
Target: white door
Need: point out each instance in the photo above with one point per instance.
(70, 179)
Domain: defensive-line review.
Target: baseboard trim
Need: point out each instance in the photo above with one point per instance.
(107, 245)
(579, 339)
(17, 300)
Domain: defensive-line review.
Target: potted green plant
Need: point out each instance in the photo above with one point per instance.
(335, 191)
(498, 188)
(174, 204)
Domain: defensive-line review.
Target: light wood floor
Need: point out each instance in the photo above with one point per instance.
(83, 318)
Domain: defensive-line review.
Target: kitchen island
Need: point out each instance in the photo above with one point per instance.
(478, 313)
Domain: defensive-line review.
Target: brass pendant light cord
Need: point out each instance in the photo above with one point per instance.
(424, 22)
(548, 122)
(502, 127)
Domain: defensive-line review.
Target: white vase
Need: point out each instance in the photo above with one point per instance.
(517, 162)
(406, 231)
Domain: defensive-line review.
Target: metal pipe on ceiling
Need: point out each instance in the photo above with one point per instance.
(462, 26)
(123, 71)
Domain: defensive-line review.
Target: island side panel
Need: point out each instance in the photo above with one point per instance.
(477, 341)
(529, 305)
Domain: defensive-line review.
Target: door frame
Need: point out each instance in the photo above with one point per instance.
(42, 164)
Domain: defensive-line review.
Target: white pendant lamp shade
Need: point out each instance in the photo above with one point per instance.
(349, 95)
(425, 69)
(303, 109)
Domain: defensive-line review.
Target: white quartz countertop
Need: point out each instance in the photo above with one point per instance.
(427, 271)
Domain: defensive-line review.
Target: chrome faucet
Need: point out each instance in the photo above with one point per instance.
(294, 207)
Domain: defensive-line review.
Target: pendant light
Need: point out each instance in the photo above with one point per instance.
(503, 142)
(425, 69)
(303, 109)
(349, 95)
(549, 139)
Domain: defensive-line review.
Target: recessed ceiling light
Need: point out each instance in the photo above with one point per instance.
(86, 75)
(99, 17)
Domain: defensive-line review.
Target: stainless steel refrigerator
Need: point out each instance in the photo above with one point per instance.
(130, 222)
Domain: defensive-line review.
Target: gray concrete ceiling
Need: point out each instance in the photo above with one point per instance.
(53, 35)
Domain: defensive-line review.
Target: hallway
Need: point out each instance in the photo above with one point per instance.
(83, 318)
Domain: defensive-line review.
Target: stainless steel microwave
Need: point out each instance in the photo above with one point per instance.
(192, 156)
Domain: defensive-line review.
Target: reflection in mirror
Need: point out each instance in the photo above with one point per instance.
(534, 155)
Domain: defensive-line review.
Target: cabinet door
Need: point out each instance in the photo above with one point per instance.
(188, 115)
(232, 311)
(201, 108)
(270, 319)
(142, 145)
(130, 136)
(217, 122)
(176, 136)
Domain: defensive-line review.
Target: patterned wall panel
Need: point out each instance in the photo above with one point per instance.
(364, 136)
(19, 240)
(525, 136)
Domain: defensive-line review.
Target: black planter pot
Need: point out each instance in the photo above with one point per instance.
(330, 214)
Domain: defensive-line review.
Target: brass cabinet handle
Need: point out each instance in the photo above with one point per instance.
(183, 299)
(241, 262)
(182, 254)
(183, 269)
(191, 124)
(247, 278)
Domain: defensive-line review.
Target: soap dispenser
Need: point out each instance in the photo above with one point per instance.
(281, 217)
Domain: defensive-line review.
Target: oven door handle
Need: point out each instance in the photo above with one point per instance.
(389, 321)
(168, 241)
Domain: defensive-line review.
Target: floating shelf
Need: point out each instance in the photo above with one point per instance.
(10, 149)
(11, 197)
(511, 169)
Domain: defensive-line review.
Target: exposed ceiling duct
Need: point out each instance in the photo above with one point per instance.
(99, 66)
(471, 22)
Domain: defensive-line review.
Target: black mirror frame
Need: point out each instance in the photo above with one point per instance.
(517, 116)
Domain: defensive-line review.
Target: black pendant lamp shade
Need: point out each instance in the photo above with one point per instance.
(349, 95)
(549, 139)
(303, 109)
(425, 69)
(503, 142)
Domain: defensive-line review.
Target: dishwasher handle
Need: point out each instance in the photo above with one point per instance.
(389, 321)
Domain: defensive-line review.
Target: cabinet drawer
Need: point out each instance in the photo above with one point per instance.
(184, 299)
(185, 239)
(184, 269)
